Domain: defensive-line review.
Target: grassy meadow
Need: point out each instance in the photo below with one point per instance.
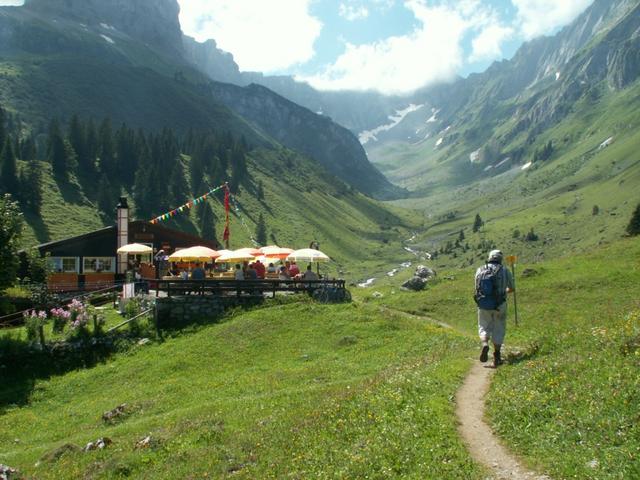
(301, 390)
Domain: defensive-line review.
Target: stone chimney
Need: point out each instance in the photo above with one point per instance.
(122, 229)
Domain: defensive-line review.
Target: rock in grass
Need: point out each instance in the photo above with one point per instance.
(529, 272)
(425, 272)
(147, 442)
(116, 414)
(98, 444)
(416, 284)
(8, 473)
(54, 455)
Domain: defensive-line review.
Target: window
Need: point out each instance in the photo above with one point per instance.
(64, 264)
(98, 264)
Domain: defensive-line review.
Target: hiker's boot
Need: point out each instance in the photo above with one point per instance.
(484, 354)
(497, 359)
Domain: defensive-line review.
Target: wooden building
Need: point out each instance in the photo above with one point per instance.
(90, 261)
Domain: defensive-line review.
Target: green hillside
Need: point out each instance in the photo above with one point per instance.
(301, 203)
(555, 197)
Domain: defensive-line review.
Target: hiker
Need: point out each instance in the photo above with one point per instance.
(492, 282)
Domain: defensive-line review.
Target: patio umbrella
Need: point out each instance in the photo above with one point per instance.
(254, 252)
(235, 256)
(308, 255)
(194, 254)
(274, 251)
(135, 249)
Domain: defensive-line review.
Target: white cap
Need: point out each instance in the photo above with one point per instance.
(495, 256)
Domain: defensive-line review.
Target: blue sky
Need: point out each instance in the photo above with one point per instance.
(393, 46)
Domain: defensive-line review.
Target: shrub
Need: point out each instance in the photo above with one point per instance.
(634, 224)
(531, 236)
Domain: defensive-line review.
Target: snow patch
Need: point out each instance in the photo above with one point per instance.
(433, 118)
(439, 142)
(526, 165)
(557, 76)
(106, 26)
(367, 283)
(487, 168)
(371, 135)
(474, 157)
(503, 162)
(606, 143)
(108, 39)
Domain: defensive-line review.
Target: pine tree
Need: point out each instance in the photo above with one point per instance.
(633, 228)
(92, 146)
(126, 156)
(77, 138)
(28, 149)
(261, 231)
(31, 186)
(260, 193)
(105, 198)
(56, 150)
(477, 223)
(106, 149)
(178, 184)
(461, 235)
(207, 221)
(8, 169)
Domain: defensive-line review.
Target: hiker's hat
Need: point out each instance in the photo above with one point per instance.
(495, 256)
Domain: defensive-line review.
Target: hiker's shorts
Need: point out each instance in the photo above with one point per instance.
(492, 324)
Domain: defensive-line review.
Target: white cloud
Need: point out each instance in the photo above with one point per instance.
(353, 12)
(432, 52)
(487, 45)
(263, 36)
(541, 17)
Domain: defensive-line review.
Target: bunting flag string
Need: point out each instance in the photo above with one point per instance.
(188, 205)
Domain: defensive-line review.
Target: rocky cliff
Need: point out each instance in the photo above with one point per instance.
(318, 137)
(154, 22)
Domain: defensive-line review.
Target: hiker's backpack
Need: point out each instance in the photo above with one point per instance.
(489, 289)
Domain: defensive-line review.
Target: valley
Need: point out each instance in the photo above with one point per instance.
(536, 156)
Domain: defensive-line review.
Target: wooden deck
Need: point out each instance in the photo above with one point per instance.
(242, 287)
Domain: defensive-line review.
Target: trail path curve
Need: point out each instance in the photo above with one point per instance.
(483, 445)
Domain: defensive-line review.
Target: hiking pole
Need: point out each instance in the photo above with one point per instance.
(511, 260)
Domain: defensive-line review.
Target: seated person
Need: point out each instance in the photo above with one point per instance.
(260, 268)
(293, 269)
(239, 274)
(251, 273)
(284, 274)
(310, 274)
(272, 268)
(184, 275)
(198, 273)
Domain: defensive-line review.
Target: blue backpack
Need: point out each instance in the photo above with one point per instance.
(489, 289)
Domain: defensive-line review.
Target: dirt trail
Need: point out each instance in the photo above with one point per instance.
(480, 440)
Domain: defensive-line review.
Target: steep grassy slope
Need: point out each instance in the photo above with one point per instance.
(303, 390)
(301, 204)
(555, 197)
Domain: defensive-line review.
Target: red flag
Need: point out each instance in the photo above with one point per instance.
(225, 235)
(226, 200)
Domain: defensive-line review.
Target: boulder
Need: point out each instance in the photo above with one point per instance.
(529, 272)
(8, 473)
(425, 272)
(415, 284)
